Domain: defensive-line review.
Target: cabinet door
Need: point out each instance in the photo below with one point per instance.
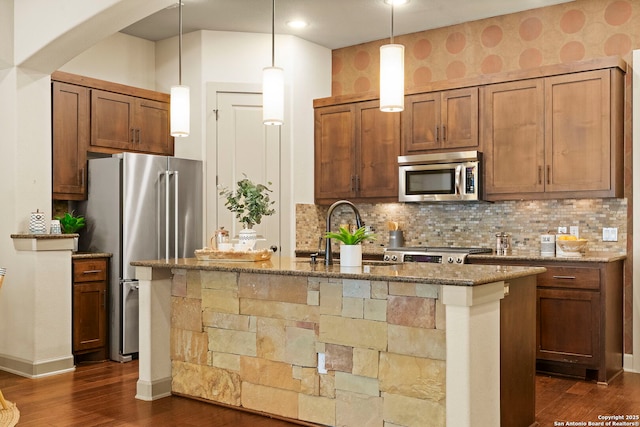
(459, 118)
(377, 150)
(112, 120)
(578, 132)
(421, 119)
(513, 137)
(152, 127)
(70, 141)
(569, 326)
(334, 153)
(89, 315)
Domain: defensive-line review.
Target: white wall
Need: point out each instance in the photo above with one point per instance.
(119, 58)
(228, 57)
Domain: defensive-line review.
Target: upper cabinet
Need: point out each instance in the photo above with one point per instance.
(356, 153)
(129, 123)
(441, 121)
(94, 116)
(554, 137)
(70, 136)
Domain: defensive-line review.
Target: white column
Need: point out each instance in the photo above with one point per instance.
(632, 361)
(154, 381)
(473, 354)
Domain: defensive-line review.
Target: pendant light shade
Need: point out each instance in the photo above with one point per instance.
(180, 111)
(392, 77)
(179, 108)
(273, 96)
(273, 83)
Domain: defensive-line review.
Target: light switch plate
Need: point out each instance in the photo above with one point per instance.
(562, 230)
(574, 231)
(610, 234)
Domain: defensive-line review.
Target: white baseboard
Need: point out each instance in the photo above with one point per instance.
(627, 363)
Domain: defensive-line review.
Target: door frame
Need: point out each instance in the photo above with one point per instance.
(211, 199)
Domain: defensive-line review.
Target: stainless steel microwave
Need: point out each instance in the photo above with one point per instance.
(441, 177)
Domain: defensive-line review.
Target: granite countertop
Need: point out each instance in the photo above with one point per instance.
(43, 236)
(88, 255)
(460, 275)
(374, 251)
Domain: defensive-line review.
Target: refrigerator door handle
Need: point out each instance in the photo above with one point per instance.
(167, 174)
(175, 214)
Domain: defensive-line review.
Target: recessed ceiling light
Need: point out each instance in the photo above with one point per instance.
(396, 2)
(297, 23)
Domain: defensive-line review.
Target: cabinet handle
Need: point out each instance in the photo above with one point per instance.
(104, 299)
(133, 135)
(353, 183)
(138, 135)
(539, 174)
(548, 174)
(357, 183)
(82, 177)
(437, 133)
(444, 133)
(92, 271)
(565, 277)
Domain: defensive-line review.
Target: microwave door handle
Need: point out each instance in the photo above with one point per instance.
(458, 185)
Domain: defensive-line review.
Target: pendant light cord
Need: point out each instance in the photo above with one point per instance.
(391, 22)
(273, 33)
(180, 43)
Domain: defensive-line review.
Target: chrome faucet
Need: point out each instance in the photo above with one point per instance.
(328, 256)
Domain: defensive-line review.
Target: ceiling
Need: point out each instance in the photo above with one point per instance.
(332, 23)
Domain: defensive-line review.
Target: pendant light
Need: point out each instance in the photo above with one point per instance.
(392, 74)
(273, 84)
(180, 94)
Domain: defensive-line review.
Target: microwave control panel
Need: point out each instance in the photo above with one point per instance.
(469, 182)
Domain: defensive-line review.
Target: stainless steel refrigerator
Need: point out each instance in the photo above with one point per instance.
(139, 207)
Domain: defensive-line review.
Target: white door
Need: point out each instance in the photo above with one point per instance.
(247, 147)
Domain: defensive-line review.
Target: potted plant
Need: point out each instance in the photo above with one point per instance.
(70, 224)
(351, 248)
(250, 202)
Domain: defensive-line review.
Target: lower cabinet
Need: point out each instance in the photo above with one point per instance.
(90, 279)
(579, 318)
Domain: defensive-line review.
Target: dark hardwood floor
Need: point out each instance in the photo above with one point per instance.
(102, 394)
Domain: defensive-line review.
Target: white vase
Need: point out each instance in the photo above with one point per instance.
(248, 238)
(351, 255)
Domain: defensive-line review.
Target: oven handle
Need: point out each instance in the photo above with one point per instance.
(458, 186)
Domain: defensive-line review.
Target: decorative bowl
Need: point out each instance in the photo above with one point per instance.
(572, 248)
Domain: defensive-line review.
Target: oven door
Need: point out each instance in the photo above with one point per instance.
(438, 182)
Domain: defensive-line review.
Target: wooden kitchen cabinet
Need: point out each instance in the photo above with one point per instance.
(554, 137)
(441, 121)
(70, 141)
(124, 122)
(579, 318)
(90, 333)
(356, 153)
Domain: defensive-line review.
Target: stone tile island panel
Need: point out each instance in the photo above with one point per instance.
(252, 341)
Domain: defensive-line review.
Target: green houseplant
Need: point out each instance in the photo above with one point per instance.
(249, 201)
(350, 248)
(70, 223)
(348, 238)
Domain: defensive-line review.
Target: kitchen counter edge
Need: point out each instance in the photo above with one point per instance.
(89, 255)
(454, 275)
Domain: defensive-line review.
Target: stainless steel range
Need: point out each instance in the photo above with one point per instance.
(435, 255)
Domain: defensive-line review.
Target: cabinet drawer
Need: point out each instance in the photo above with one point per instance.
(89, 270)
(570, 277)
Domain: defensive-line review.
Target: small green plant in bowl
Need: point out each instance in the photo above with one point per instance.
(71, 223)
(348, 238)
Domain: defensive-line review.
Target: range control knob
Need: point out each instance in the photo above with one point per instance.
(459, 260)
(386, 258)
(450, 260)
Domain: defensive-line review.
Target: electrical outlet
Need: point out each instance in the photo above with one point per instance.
(562, 230)
(322, 368)
(573, 230)
(610, 234)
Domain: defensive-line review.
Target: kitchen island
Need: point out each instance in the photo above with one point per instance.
(401, 344)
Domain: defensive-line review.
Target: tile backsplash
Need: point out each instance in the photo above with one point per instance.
(474, 224)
